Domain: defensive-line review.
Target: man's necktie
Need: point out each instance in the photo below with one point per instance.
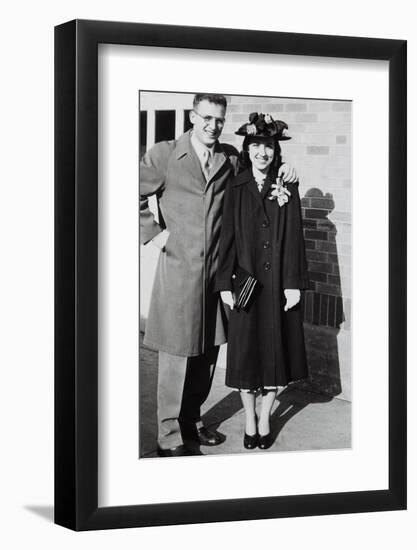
(206, 164)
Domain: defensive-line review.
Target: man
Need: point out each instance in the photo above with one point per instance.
(186, 321)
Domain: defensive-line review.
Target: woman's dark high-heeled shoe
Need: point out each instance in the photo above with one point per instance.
(265, 441)
(251, 441)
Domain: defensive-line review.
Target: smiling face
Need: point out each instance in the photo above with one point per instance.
(208, 121)
(261, 152)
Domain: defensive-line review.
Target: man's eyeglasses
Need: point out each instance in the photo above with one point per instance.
(208, 119)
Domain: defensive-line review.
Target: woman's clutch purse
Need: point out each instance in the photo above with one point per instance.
(244, 285)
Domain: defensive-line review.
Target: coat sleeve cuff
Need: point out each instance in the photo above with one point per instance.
(222, 284)
(302, 283)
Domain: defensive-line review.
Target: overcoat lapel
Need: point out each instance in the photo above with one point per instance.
(281, 223)
(266, 188)
(185, 151)
(253, 188)
(260, 196)
(246, 179)
(219, 158)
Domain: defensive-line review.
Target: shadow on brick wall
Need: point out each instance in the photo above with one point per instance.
(323, 302)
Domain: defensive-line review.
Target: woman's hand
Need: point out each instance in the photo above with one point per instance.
(292, 296)
(227, 298)
(287, 173)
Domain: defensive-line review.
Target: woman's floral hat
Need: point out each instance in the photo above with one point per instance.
(263, 125)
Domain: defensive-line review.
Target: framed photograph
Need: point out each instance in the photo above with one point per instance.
(230, 334)
(320, 148)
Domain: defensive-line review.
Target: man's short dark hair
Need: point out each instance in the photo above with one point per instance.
(217, 99)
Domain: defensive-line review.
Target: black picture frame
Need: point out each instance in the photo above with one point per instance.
(76, 272)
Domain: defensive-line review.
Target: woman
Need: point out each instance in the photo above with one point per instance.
(261, 270)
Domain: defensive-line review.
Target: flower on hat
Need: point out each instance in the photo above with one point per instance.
(263, 125)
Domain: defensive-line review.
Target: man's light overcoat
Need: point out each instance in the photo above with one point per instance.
(186, 316)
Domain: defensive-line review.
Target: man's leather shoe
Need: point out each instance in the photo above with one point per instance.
(181, 450)
(203, 436)
(209, 437)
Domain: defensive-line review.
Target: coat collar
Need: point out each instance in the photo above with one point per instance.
(183, 146)
(243, 177)
(219, 158)
(246, 178)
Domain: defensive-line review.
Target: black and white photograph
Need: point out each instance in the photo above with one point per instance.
(245, 274)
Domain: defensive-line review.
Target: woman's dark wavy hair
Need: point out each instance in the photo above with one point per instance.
(245, 162)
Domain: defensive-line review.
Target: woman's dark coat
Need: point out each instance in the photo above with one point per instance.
(265, 344)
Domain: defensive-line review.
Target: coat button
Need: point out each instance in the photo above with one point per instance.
(265, 223)
(267, 266)
(266, 244)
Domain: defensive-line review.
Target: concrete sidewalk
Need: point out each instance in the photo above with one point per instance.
(301, 419)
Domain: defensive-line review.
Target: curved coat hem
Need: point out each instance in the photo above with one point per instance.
(258, 388)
